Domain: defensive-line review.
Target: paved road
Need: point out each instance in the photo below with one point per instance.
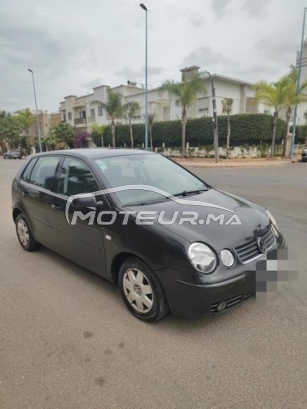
(67, 341)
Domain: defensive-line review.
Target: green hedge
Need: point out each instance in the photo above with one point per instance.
(300, 134)
(246, 129)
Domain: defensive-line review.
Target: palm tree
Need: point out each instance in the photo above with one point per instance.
(293, 98)
(97, 131)
(227, 108)
(61, 136)
(25, 119)
(113, 107)
(151, 119)
(9, 131)
(276, 95)
(185, 93)
(130, 110)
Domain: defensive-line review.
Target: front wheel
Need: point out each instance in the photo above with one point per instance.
(24, 234)
(141, 291)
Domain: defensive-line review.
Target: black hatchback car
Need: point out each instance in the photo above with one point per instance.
(169, 240)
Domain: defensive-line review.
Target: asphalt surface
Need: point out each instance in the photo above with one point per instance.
(67, 340)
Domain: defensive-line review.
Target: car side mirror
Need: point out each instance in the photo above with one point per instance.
(81, 202)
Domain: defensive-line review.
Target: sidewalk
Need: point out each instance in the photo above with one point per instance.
(233, 163)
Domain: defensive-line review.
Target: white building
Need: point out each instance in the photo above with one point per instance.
(84, 111)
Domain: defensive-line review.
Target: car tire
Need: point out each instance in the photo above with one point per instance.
(141, 291)
(24, 234)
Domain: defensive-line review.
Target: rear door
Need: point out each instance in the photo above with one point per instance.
(36, 188)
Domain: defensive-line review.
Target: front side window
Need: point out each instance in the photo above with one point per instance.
(44, 171)
(76, 178)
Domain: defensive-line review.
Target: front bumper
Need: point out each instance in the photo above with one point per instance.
(194, 300)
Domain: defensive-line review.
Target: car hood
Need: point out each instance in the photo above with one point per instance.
(240, 223)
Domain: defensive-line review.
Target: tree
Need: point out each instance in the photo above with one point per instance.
(130, 110)
(9, 131)
(113, 107)
(276, 95)
(151, 119)
(26, 119)
(62, 136)
(293, 98)
(97, 131)
(185, 93)
(227, 108)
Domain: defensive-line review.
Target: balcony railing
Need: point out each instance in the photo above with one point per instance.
(79, 121)
(91, 118)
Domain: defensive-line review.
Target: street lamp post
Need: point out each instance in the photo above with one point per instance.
(298, 87)
(36, 113)
(214, 120)
(146, 78)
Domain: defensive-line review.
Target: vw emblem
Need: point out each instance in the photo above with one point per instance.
(261, 245)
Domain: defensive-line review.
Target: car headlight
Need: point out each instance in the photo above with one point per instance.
(227, 258)
(272, 219)
(202, 257)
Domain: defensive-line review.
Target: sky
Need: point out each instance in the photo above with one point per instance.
(74, 45)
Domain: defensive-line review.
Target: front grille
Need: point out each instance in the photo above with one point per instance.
(232, 302)
(250, 251)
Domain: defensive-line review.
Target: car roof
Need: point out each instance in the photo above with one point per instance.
(94, 153)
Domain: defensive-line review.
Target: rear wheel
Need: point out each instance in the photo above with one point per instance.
(141, 291)
(24, 234)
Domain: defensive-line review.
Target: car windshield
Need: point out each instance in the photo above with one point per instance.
(147, 169)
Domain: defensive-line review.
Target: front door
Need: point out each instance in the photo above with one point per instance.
(81, 242)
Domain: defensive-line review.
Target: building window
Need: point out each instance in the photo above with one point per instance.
(92, 112)
(64, 117)
(100, 110)
(166, 113)
(82, 114)
(69, 116)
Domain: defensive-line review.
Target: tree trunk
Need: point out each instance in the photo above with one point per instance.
(228, 136)
(184, 126)
(150, 136)
(275, 117)
(102, 141)
(113, 132)
(288, 116)
(131, 133)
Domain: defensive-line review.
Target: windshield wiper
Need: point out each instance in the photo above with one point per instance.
(191, 192)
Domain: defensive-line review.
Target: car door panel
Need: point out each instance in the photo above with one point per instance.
(81, 242)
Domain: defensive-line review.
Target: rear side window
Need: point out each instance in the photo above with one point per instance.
(43, 172)
(27, 173)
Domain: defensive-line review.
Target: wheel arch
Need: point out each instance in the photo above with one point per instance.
(16, 212)
(118, 260)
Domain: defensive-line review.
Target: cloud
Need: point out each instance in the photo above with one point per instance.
(220, 7)
(255, 8)
(130, 74)
(277, 48)
(92, 84)
(205, 57)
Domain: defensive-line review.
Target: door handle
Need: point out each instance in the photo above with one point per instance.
(55, 207)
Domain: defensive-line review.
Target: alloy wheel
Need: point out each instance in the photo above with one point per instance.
(138, 290)
(23, 232)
